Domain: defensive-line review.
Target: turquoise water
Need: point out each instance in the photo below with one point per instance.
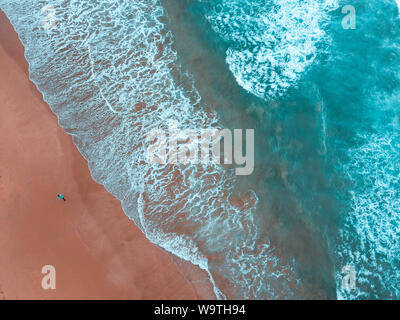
(323, 101)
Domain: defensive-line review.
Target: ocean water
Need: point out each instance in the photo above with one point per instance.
(323, 101)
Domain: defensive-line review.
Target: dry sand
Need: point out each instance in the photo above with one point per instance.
(97, 251)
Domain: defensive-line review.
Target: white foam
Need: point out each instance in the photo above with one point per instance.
(271, 44)
(370, 239)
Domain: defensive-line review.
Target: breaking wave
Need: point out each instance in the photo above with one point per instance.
(370, 236)
(109, 73)
(271, 43)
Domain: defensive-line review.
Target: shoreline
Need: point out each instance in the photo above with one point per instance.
(90, 241)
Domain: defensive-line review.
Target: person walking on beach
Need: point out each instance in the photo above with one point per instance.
(61, 197)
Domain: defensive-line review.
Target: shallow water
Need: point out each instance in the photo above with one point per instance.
(323, 102)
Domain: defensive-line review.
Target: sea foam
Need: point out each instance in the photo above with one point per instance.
(271, 43)
(369, 239)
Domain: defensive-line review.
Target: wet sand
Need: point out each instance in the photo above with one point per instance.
(97, 251)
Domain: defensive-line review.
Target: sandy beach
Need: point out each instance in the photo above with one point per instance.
(97, 251)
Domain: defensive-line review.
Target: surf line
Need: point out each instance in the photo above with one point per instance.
(97, 85)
